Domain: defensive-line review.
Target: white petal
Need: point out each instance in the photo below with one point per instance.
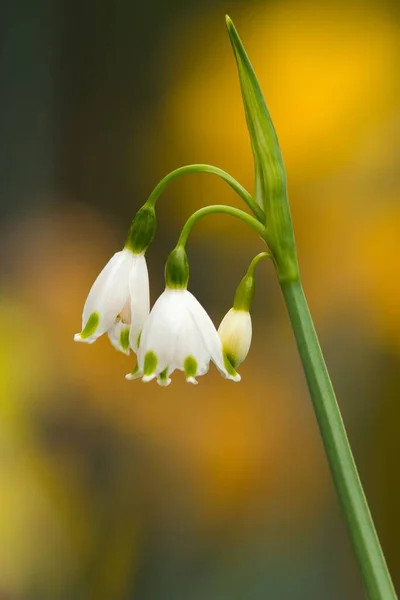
(125, 314)
(139, 298)
(210, 337)
(190, 345)
(160, 330)
(118, 335)
(163, 381)
(147, 378)
(108, 295)
(172, 335)
(135, 374)
(235, 332)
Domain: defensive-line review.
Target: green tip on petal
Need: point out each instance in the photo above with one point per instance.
(150, 364)
(135, 374)
(190, 367)
(90, 327)
(124, 339)
(163, 378)
(231, 371)
(232, 360)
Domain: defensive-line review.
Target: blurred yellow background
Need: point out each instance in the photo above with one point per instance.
(119, 490)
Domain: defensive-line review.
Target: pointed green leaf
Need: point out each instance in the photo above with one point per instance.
(270, 176)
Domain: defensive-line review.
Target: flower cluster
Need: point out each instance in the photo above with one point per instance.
(177, 333)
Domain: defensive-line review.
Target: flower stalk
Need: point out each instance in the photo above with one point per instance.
(218, 209)
(201, 168)
(271, 194)
(354, 505)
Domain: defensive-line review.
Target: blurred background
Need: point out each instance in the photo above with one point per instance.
(118, 490)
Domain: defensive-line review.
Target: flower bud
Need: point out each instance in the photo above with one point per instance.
(235, 330)
(235, 334)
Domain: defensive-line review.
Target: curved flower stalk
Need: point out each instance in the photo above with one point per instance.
(119, 301)
(179, 333)
(235, 330)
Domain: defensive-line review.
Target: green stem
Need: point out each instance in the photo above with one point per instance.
(199, 168)
(255, 261)
(371, 560)
(221, 209)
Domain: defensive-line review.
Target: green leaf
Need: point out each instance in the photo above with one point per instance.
(270, 176)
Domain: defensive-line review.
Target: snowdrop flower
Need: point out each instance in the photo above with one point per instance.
(118, 302)
(179, 334)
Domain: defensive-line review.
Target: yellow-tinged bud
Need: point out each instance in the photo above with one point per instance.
(235, 334)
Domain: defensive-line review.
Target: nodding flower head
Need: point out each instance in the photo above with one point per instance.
(179, 334)
(118, 302)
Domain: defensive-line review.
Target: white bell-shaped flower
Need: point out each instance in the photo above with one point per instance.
(118, 302)
(179, 334)
(235, 333)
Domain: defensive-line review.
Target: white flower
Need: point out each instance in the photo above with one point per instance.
(118, 302)
(235, 332)
(179, 334)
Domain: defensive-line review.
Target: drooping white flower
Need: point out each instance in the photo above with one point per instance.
(117, 302)
(179, 334)
(235, 333)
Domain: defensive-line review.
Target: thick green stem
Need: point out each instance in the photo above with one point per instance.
(371, 560)
(199, 168)
(221, 209)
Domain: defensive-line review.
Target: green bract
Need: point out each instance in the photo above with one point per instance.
(177, 269)
(245, 293)
(142, 230)
(270, 176)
